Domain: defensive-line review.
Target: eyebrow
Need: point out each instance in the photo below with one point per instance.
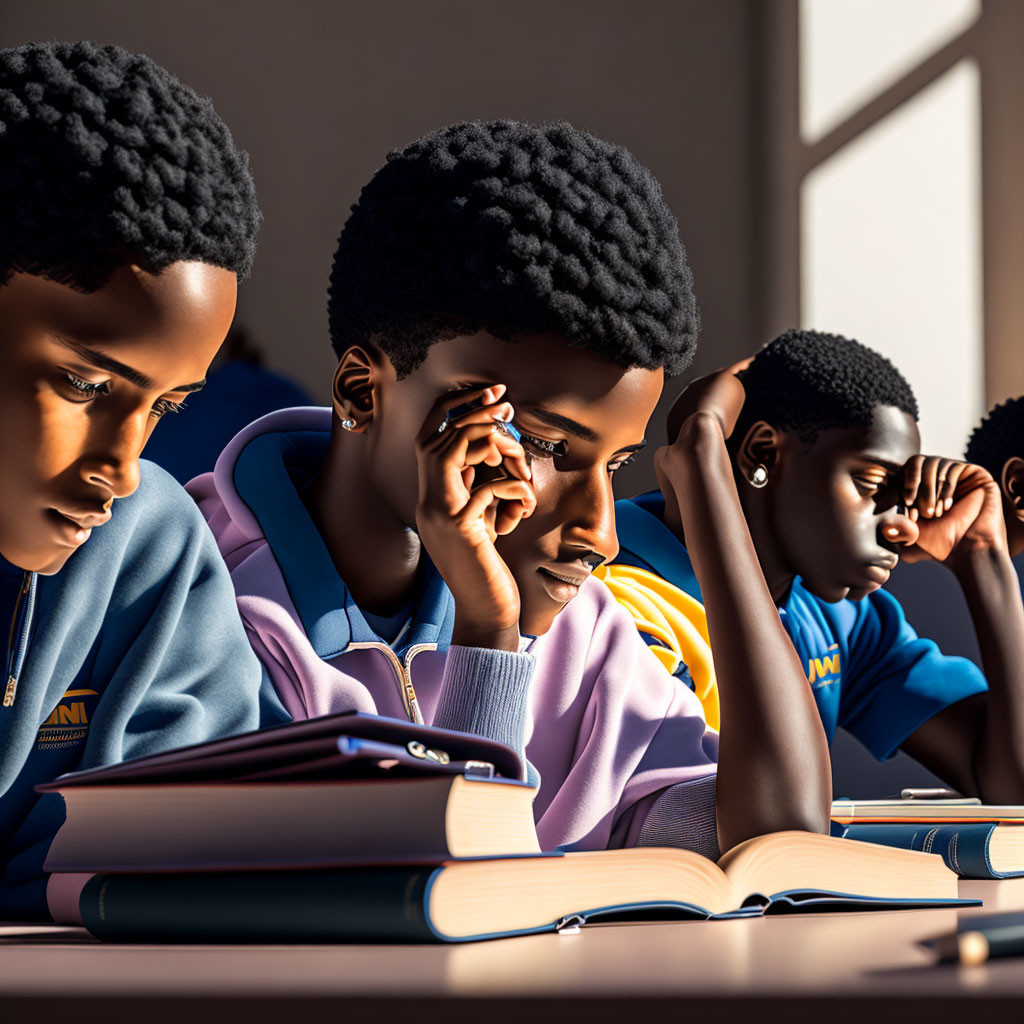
(574, 427)
(105, 362)
(892, 467)
(560, 422)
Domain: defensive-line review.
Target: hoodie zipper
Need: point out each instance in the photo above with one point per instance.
(17, 644)
(403, 673)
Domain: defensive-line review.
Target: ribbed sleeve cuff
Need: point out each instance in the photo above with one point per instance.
(485, 692)
(684, 816)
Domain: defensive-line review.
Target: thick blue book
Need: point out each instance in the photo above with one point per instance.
(982, 849)
(460, 901)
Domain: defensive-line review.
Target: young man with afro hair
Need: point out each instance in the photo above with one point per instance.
(823, 450)
(504, 302)
(997, 444)
(126, 216)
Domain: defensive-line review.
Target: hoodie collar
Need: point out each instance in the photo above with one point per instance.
(270, 464)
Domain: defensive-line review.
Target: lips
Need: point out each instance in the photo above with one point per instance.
(86, 520)
(74, 525)
(562, 580)
(878, 572)
(575, 573)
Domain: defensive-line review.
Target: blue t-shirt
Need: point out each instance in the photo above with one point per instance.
(869, 671)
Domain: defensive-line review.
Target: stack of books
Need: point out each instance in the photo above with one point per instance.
(352, 828)
(975, 840)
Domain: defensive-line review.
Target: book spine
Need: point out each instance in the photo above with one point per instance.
(963, 846)
(282, 906)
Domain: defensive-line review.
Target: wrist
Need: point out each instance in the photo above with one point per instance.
(491, 637)
(699, 450)
(973, 558)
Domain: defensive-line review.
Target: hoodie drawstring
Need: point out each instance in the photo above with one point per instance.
(17, 643)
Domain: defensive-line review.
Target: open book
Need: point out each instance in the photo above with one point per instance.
(464, 900)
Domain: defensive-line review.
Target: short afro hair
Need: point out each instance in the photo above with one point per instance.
(807, 381)
(999, 437)
(514, 228)
(107, 159)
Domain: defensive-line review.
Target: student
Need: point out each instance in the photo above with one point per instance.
(825, 456)
(997, 444)
(128, 214)
(494, 272)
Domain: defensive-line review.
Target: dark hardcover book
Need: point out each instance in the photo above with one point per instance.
(220, 826)
(339, 790)
(971, 849)
(480, 899)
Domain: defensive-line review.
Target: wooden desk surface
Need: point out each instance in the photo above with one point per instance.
(853, 966)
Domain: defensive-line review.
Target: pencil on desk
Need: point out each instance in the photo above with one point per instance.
(983, 939)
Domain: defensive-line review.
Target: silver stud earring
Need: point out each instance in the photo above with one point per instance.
(759, 477)
(348, 424)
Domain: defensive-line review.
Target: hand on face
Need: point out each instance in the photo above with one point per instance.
(462, 508)
(957, 508)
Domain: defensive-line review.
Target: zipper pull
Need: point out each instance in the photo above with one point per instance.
(12, 685)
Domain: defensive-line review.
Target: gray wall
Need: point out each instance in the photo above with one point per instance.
(318, 92)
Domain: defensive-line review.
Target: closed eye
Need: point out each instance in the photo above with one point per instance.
(627, 461)
(869, 485)
(165, 405)
(81, 390)
(539, 448)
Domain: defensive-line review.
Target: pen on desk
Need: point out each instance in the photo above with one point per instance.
(981, 939)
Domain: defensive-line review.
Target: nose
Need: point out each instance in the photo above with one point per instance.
(113, 460)
(589, 513)
(898, 528)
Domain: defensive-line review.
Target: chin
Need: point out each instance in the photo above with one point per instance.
(45, 563)
(829, 593)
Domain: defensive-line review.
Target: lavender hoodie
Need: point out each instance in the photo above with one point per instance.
(622, 749)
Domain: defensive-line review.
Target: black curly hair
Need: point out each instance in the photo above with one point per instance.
(999, 436)
(807, 381)
(105, 159)
(514, 228)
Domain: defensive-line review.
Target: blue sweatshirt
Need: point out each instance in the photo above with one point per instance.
(135, 646)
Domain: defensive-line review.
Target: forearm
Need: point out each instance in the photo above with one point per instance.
(774, 769)
(992, 590)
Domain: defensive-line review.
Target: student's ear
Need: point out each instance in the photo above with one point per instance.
(353, 390)
(758, 453)
(1012, 483)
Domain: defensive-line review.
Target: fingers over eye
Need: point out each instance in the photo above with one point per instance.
(948, 491)
(484, 397)
(926, 490)
(912, 478)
